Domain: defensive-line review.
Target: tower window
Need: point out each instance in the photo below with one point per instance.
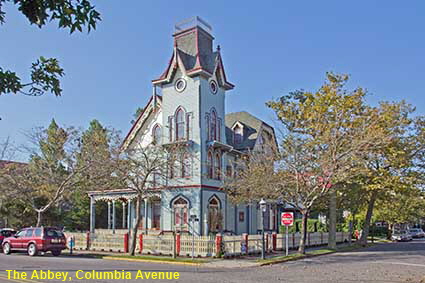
(180, 85)
(180, 121)
(213, 128)
(213, 87)
(217, 165)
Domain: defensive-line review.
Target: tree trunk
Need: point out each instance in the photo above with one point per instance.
(301, 248)
(366, 226)
(38, 218)
(332, 220)
(133, 241)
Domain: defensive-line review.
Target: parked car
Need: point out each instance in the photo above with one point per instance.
(401, 236)
(5, 233)
(35, 240)
(417, 233)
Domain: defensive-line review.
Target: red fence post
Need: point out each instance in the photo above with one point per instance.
(140, 243)
(274, 242)
(218, 241)
(178, 243)
(126, 242)
(88, 240)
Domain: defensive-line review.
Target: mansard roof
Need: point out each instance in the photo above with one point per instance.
(252, 127)
(193, 55)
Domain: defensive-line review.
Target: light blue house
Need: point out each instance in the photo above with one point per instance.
(188, 106)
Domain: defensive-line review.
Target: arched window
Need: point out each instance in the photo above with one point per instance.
(210, 165)
(217, 166)
(215, 218)
(186, 165)
(180, 208)
(156, 134)
(238, 134)
(213, 129)
(180, 121)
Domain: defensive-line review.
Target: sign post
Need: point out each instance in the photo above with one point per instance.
(193, 219)
(287, 219)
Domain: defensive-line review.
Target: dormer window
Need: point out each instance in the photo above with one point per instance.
(238, 134)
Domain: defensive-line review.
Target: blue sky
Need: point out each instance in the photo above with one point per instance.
(269, 48)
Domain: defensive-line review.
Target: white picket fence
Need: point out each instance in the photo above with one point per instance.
(203, 246)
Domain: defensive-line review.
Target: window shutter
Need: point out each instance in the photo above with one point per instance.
(170, 128)
(219, 130)
(207, 125)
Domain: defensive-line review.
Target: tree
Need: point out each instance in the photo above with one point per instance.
(390, 169)
(326, 133)
(136, 115)
(7, 149)
(51, 173)
(99, 147)
(144, 168)
(46, 72)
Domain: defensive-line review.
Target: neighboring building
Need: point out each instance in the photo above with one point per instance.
(191, 111)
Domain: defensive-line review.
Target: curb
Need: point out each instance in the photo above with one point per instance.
(294, 259)
(308, 256)
(153, 261)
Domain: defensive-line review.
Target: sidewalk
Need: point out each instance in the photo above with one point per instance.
(254, 260)
(238, 262)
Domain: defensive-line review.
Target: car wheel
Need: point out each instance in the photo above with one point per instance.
(6, 249)
(56, 252)
(32, 250)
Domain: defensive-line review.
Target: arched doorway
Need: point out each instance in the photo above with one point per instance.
(180, 211)
(215, 218)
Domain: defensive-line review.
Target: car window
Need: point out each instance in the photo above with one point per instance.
(29, 233)
(37, 232)
(54, 233)
(7, 233)
(20, 233)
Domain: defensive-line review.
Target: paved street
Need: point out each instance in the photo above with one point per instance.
(394, 262)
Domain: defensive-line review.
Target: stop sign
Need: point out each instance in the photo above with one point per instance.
(287, 218)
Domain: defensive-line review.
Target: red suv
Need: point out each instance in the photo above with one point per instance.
(34, 240)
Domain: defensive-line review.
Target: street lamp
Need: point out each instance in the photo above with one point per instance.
(263, 207)
(193, 219)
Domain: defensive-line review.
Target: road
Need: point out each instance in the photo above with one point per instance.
(393, 262)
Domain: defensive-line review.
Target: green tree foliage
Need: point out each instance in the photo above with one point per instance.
(326, 134)
(46, 72)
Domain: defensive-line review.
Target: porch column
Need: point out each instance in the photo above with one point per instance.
(146, 214)
(113, 216)
(92, 214)
(123, 215)
(129, 215)
(109, 215)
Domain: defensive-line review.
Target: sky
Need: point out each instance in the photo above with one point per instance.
(269, 48)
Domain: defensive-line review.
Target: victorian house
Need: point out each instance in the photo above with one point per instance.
(188, 106)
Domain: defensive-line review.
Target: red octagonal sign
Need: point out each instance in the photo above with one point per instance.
(287, 218)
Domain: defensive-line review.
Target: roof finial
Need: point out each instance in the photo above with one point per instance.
(218, 48)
